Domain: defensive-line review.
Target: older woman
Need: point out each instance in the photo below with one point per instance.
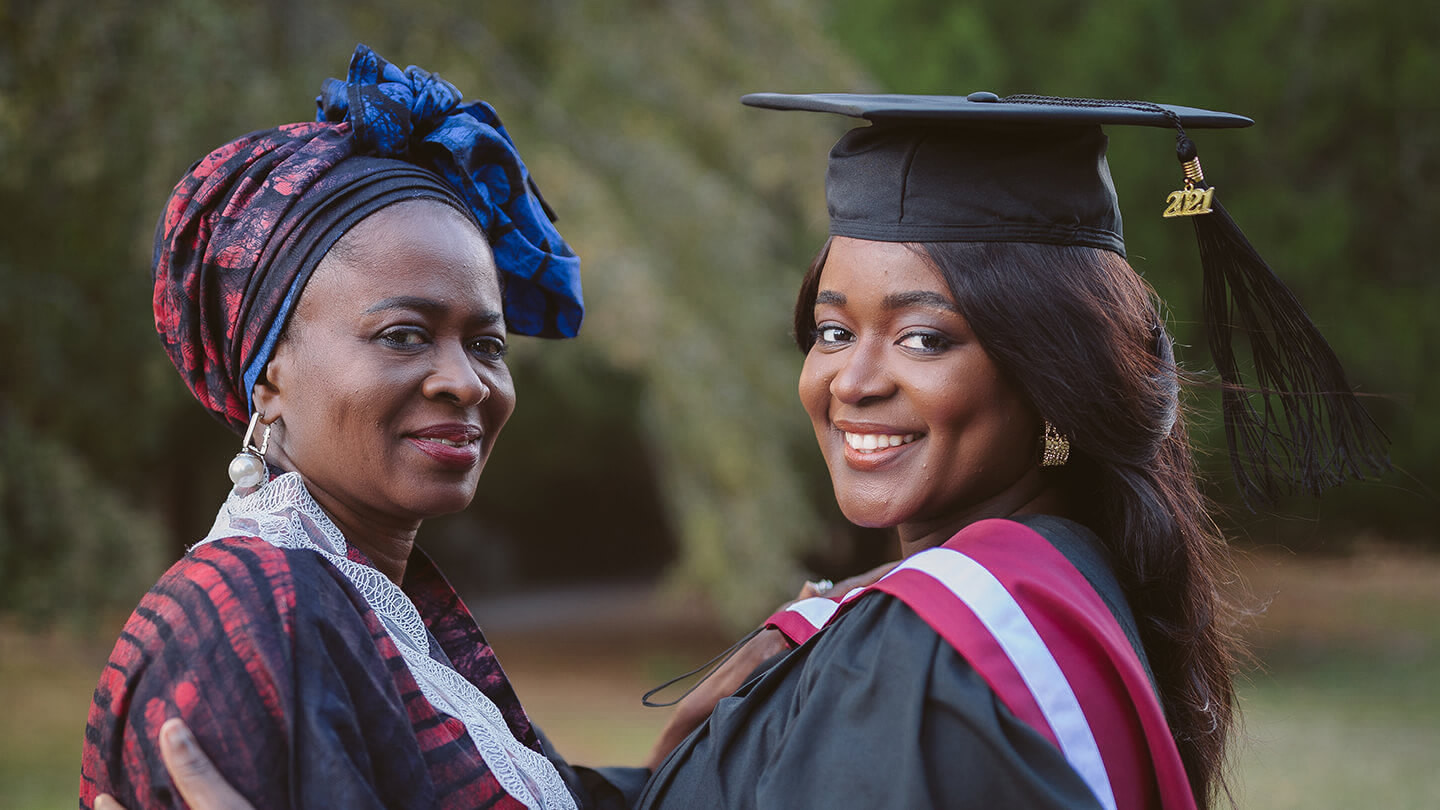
(340, 293)
(988, 377)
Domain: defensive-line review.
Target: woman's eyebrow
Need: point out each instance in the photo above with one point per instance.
(428, 306)
(919, 298)
(830, 297)
(406, 302)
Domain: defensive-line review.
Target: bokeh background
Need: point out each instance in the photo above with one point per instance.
(658, 488)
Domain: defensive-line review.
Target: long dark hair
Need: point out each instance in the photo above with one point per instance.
(1079, 332)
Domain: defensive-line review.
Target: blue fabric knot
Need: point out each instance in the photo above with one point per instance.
(415, 115)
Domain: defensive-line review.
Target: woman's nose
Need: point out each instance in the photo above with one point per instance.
(862, 374)
(455, 377)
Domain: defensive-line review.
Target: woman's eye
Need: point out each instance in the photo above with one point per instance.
(831, 334)
(404, 336)
(490, 348)
(928, 342)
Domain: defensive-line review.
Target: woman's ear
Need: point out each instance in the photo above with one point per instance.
(269, 391)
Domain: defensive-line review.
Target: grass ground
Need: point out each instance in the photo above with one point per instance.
(45, 687)
(1343, 714)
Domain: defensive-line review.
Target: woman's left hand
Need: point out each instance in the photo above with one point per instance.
(845, 586)
(195, 776)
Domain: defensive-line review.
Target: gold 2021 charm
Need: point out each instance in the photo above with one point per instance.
(1189, 202)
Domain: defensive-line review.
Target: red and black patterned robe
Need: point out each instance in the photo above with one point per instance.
(294, 689)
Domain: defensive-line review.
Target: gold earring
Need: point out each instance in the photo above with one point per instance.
(1057, 448)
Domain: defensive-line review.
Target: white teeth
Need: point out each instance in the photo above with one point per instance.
(447, 442)
(869, 442)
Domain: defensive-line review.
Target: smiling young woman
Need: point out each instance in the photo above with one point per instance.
(986, 375)
(1032, 334)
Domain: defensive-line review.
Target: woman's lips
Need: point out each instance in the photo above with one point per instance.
(867, 450)
(455, 446)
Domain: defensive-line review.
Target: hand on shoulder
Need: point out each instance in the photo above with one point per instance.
(195, 776)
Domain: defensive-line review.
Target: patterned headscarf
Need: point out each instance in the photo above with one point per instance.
(246, 226)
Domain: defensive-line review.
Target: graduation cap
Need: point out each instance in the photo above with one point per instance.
(1027, 168)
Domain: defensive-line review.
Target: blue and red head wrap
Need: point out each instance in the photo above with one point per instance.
(246, 226)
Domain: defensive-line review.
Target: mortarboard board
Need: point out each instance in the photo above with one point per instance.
(1026, 168)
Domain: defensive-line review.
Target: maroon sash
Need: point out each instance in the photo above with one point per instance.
(1041, 637)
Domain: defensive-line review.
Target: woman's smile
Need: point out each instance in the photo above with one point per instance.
(457, 446)
(869, 448)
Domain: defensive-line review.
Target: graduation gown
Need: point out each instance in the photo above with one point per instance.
(879, 710)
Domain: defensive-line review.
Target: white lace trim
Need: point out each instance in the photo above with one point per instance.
(278, 513)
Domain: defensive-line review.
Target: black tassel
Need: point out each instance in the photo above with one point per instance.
(1309, 431)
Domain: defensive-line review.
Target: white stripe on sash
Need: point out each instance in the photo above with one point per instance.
(817, 610)
(972, 584)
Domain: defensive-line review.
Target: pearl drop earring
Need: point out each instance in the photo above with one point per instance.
(247, 469)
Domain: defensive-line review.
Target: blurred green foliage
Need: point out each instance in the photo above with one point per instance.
(70, 547)
(695, 217)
